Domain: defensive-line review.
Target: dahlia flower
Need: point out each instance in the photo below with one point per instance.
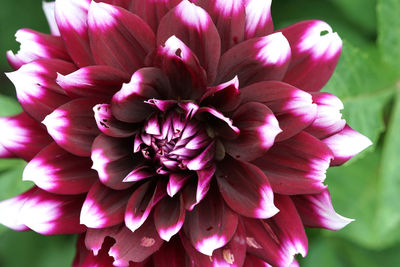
(176, 133)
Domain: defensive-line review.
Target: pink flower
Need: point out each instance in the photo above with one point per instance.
(176, 133)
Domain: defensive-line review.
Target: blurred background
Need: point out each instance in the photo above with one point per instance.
(367, 188)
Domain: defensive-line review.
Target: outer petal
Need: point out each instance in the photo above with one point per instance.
(253, 261)
(292, 107)
(245, 188)
(73, 126)
(118, 38)
(71, 18)
(4, 153)
(258, 129)
(258, 18)
(346, 144)
(35, 45)
(103, 206)
(258, 59)
(113, 159)
(24, 136)
(297, 165)
(93, 81)
(169, 216)
(171, 254)
(128, 104)
(279, 239)
(317, 211)
(85, 257)
(229, 18)
(55, 170)
(194, 27)
(51, 214)
(36, 88)
(48, 9)
(211, 224)
(315, 53)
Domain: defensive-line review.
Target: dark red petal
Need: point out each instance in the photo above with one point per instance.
(297, 165)
(254, 261)
(258, 18)
(258, 59)
(182, 67)
(93, 81)
(55, 170)
(292, 107)
(109, 125)
(71, 17)
(73, 126)
(258, 129)
(204, 177)
(113, 159)
(171, 254)
(118, 38)
(169, 216)
(195, 28)
(35, 45)
(245, 188)
(211, 224)
(95, 238)
(279, 239)
(141, 203)
(222, 125)
(24, 136)
(36, 87)
(315, 53)
(203, 159)
(346, 144)
(86, 258)
(316, 211)
(176, 182)
(52, 214)
(129, 105)
(103, 206)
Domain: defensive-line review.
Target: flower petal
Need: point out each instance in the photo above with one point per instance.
(176, 182)
(315, 53)
(36, 88)
(245, 188)
(292, 107)
(258, 59)
(297, 165)
(93, 81)
(55, 170)
(211, 224)
(118, 38)
(85, 257)
(35, 45)
(258, 18)
(346, 144)
(258, 129)
(195, 28)
(316, 211)
(169, 216)
(222, 125)
(113, 159)
(4, 153)
(48, 9)
(171, 254)
(103, 206)
(73, 126)
(71, 18)
(128, 104)
(24, 136)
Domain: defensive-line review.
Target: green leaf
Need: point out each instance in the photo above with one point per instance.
(389, 31)
(9, 106)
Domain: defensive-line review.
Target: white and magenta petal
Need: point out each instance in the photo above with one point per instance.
(258, 18)
(49, 12)
(169, 216)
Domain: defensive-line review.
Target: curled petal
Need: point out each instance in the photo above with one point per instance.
(35, 45)
(258, 18)
(195, 28)
(71, 18)
(73, 126)
(93, 81)
(169, 216)
(346, 144)
(258, 129)
(258, 59)
(223, 125)
(103, 206)
(48, 9)
(176, 182)
(24, 136)
(292, 107)
(315, 53)
(118, 38)
(245, 188)
(36, 87)
(204, 177)
(203, 159)
(297, 165)
(55, 170)
(316, 211)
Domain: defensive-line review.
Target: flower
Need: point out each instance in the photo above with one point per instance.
(176, 133)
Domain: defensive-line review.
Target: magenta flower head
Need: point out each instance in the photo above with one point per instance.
(176, 133)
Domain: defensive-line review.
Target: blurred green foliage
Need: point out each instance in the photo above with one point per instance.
(367, 188)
